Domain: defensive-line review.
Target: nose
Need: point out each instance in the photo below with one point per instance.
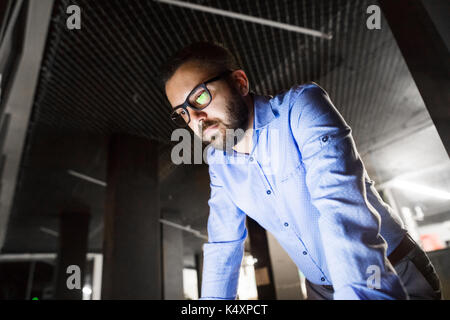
(197, 115)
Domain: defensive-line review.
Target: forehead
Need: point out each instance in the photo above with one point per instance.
(187, 76)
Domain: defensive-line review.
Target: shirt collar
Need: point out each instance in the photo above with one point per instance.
(263, 113)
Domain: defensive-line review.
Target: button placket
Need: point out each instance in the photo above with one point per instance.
(282, 217)
(307, 258)
(266, 183)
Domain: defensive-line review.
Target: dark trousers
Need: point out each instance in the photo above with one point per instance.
(415, 271)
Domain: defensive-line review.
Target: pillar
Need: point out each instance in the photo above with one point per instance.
(73, 245)
(132, 234)
(172, 263)
(259, 249)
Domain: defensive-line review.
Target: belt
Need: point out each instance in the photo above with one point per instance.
(404, 247)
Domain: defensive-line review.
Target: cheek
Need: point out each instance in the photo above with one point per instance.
(194, 128)
(218, 111)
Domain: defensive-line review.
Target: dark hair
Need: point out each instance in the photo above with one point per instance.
(213, 55)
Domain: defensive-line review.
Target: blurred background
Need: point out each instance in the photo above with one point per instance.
(85, 134)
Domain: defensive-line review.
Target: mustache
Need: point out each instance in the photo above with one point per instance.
(207, 123)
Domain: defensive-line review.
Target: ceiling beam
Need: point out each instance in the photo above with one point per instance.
(426, 54)
(20, 101)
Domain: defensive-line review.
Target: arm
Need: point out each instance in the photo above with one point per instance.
(348, 224)
(224, 250)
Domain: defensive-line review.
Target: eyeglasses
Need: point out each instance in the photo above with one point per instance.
(198, 99)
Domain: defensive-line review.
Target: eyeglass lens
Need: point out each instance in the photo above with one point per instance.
(200, 98)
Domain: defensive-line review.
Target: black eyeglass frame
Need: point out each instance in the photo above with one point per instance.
(201, 85)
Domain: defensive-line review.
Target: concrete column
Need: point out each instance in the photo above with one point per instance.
(285, 272)
(172, 263)
(132, 232)
(259, 249)
(73, 245)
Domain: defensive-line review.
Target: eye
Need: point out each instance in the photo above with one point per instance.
(183, 112)
(203, 98)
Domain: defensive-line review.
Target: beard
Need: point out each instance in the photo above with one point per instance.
(229, 133)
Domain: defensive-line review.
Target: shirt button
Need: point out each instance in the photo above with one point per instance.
(322, 279)
(251, 159)
(305, 253)
(325, 138)
(286, 224)
(268, 192)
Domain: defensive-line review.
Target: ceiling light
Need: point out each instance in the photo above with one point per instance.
(414, 187)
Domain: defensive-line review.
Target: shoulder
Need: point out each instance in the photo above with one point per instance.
(310, 101)
(302, 104)
(308, 94)
(299, 97)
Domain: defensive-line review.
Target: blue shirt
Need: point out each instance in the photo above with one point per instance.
(305, 183)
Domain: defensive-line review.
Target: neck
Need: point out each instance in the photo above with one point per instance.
(245, 144)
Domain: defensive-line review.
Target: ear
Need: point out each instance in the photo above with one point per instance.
(241, 82)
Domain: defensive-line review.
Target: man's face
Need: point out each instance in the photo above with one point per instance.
(227, 110)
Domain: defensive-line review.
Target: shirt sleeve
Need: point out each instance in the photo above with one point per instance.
(349, 226)
(223, 253)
